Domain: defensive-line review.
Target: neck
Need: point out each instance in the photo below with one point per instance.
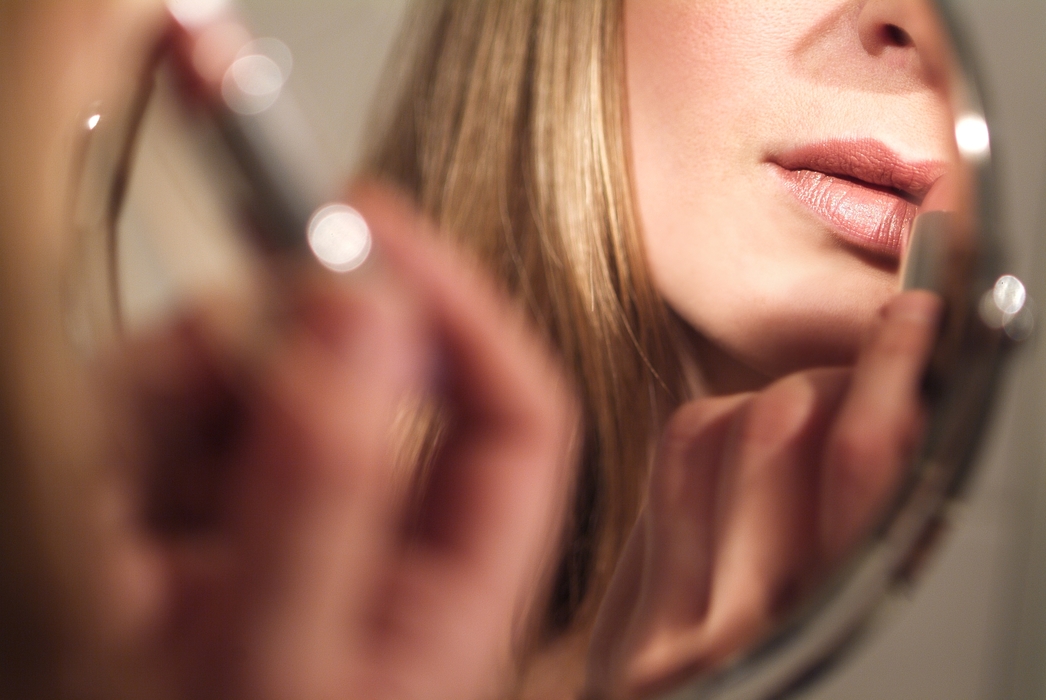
(711, 371)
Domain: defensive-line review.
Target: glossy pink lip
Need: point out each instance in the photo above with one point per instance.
(866, 192)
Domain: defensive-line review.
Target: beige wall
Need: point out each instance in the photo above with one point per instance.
(340, 48)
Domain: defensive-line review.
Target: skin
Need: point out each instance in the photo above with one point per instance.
(207, 511)
(149, 555)
(766, 285)
(756, 494)
(753, 498)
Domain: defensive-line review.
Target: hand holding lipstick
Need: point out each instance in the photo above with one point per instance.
(752, 498)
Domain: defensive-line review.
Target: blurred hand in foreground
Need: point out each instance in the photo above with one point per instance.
(258, 545)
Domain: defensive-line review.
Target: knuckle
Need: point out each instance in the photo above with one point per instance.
(306, 451)
(693, 421)
(780, 415)
(661, 657)
(684, 442)
(857, 458)
(901, 340)
(858, 445)
(687, 423)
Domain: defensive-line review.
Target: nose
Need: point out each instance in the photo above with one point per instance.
(908, 36)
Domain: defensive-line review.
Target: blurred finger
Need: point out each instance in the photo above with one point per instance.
(514, 410)
(316, 515)
(880, 422)
(766, 543)
(493, 505)
(647, 611)
(682, 507)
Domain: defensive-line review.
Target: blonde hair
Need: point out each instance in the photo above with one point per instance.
(511, 133)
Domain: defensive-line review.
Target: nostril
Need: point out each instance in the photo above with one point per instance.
(895, 36)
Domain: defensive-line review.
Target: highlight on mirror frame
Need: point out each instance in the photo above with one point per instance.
(749, 235)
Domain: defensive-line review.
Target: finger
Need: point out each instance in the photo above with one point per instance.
(182, 402)
(664, 596)
(513, 406)
(619, 616)
(682, 506)
(493, 506)
(175, 403)
(880, 422)
(766, 525)
(316, 516)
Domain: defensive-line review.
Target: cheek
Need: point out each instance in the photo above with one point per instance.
(695, 67)
(707, 85)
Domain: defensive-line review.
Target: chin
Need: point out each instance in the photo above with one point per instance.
(819, 325)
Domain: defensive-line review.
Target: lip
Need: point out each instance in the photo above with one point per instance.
(865, 191)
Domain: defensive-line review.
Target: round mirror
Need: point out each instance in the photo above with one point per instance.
(710, 210)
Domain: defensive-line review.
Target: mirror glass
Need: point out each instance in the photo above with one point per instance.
(710, 209)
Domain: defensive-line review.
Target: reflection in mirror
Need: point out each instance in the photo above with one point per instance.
(709, 210)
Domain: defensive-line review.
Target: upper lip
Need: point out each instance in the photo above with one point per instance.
(868, 162)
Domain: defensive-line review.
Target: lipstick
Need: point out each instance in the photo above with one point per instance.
(243, 87)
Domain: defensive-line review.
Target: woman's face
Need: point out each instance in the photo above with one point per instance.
(780, 151)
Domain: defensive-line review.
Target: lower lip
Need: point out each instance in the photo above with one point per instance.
(875, 221)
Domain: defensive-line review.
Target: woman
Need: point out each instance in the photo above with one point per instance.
(692, 199)
(280, 570)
